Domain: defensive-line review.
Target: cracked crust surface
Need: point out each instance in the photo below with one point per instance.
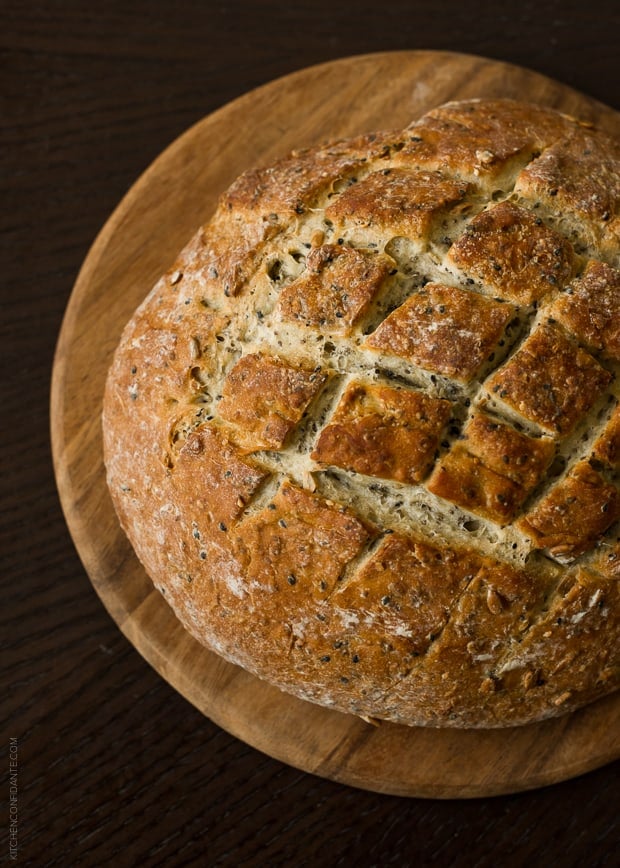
(363, 435)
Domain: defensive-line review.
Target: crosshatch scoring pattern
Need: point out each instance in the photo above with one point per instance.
(387, 373)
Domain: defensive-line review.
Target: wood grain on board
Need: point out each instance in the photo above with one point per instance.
(152, 223)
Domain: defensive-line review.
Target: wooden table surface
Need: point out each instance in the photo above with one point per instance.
(105, 764)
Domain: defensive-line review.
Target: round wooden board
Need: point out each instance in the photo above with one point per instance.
(152, 223)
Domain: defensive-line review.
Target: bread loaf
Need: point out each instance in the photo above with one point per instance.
(364, 434)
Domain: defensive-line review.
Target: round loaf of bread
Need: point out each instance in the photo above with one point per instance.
(364, 435)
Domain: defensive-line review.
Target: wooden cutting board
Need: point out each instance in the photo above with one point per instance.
(140, 240)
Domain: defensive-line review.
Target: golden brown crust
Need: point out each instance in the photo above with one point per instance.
(444, 330)
(514, 254)
(464, 479)
(581, 173)
(336, 289)
(507, 451)
(481, 138)
(550, 381)
(606, 448)
(299, 541)
(364, 433)
(208, 463)
(401, 590)
(286, 189)
(572, 648)
(590, 308)
(265, 398)
(493, 470)
(397, 201)
(575, 513)
(384, 432)
(607, 560)
(495, 611)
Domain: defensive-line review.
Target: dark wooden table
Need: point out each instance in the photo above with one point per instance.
(113, 767)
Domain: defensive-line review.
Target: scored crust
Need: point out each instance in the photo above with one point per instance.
(363, 435)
